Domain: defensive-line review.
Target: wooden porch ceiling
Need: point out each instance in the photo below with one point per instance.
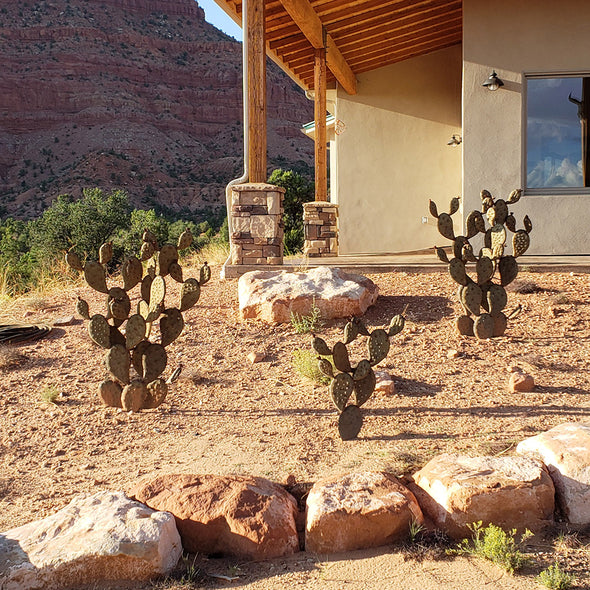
(360, 35)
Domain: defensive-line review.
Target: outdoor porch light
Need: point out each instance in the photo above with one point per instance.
(493, 82)
(455, 140)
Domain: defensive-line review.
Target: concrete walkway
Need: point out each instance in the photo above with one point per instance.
(408, 262)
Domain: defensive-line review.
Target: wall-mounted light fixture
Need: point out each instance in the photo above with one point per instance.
(455, 140)
(493, 82)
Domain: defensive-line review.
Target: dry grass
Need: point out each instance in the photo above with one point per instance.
(214, 253)
(10, 358)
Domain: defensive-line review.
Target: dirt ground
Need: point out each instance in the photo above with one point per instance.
(226, 415)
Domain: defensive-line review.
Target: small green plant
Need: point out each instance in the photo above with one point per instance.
(415, 529)
(555, 578)
(50, 394)
(305, 363)
(494, 544)
(304, 324)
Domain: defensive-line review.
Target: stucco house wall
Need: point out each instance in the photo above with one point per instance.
(392, 154)
(518, 38)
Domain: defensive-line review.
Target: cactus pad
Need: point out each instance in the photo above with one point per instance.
(171, 325)
(378, 346)
(485, 270)
(73, 260)
(497, 299)
(157, 391)
(157, 291)
(445, 226)
(109, 393)
(432, 208)
(483, 326)
(350, 423)
(360, 326)
(326, 368)
(364, 388)
(528, 226)
(441, 254)
(464, 325)
(520, 242)
(320, 346)
(454, 206)
(133, 396)
(147, 251)
(99, 330)
(514, 196)
(95, 276)
(498, 236)
(105, 253)
(396, 325)
(189, 294)
(118, 363)
(362, 370)
(131, 271)
(137, 356)
(340, 357)
(341, 390)
(185, 240)
(350, 332)
(511, 223)
(168, 255)
(508, 270)
(134, 331)
(119, 303)
(83, 309)
(153, 361)
(175, 271)
(458, 244)
(457, 271)
(471, 298)
(204, 274)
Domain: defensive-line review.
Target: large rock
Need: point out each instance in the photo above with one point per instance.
(94, 539)
(511, 492)
(565, 450)
(247, 517)
(274, 295)
(357, 511)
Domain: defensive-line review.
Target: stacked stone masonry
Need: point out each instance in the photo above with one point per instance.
(320, 221)
(257, 224)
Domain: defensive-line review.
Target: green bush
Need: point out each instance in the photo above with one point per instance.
(299, 190)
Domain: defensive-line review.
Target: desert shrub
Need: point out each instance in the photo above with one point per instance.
(555, 578)
(494, 544)
(299, 190)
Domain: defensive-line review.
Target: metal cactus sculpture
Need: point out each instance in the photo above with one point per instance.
(348, 379)
(482, 299)
(132, 348)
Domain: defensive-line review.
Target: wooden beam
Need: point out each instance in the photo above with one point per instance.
(303, 14)
(254, 28)
(321, 141)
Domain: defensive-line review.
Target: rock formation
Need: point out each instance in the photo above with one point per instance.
(142, 95)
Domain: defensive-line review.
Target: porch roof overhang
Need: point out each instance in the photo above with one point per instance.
(358, 35)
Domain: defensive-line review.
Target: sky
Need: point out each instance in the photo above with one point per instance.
(217, 17)
(554, 148)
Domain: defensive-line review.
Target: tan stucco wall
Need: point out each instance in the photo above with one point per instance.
(515, 38)
(393, 154)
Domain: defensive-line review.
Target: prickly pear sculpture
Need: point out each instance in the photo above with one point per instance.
(482, 299)
(131, 348)
(348, 379)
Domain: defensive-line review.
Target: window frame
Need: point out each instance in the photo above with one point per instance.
(546, 191)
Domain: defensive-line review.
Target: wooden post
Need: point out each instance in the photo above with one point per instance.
(321, 141)
(256, 91)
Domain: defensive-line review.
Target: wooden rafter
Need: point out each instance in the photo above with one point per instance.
(311, 26)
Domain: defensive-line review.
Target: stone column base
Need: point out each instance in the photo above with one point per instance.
(320, 224)
(257, 224)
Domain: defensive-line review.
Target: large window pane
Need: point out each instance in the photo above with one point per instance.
(557, 142)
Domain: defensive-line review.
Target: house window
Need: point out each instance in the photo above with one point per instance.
(557, 138)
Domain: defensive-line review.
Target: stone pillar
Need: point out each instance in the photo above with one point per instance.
(257, 224)
(320, 223)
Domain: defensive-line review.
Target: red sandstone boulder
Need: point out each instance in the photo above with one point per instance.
(357, 511)
(274, 295)
(521, 382)
(511, 492)
(247, 517)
